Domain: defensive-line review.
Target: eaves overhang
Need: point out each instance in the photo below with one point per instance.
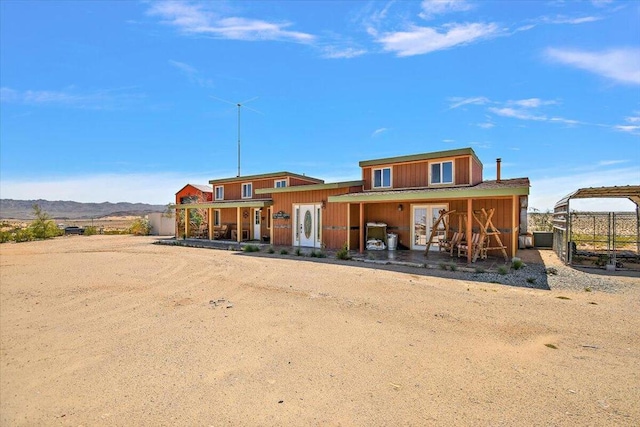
(424, 156)
(401, 196)
(310, 187)
(224, 204)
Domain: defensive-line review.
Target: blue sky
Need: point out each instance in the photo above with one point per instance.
(122, 101)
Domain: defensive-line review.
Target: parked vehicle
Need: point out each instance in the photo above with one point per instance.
(73, 230)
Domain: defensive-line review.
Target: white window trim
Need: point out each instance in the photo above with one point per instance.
(215, 192)
(373, 178)
(453, 172)
(275, 183)
(217, 215)
(250, 196)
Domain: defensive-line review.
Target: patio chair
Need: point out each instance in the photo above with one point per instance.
(220, 232)
(448, 245)
(464, 247)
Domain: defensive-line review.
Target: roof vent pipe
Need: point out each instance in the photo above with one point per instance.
(498, 161)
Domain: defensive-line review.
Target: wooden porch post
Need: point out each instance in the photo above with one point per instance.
(469, 229)
(270, 221)
(239, 226)
(515, 215)
(361, 227)
(186, 222)
(349, 226)
(210, 220)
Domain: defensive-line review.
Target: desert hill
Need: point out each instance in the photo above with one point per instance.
(59, 209)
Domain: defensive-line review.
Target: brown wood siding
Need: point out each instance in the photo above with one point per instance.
(232, 191)
(399, 222)
(409, 175)
(416, 174)
(476, 174)
(334, 216)
(366, 177)
(266, 183)
(299, 181)
(190, 191)
(462, 171)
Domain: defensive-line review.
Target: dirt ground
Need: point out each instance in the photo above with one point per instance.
(113, 330)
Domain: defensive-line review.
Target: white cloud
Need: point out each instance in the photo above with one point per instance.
(561, 19)
(100, 99)
(421, 40)
(531, 102)
(621, 65)
(431, 8)
(611, 162)
(516, 114)
(335, 52)
(195, 19)
(459, 102)
(627, 128)
(486, 125)
(379, 131)
(144, 188)
(192, 73)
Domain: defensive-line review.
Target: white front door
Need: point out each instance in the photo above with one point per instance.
(307, 225)
(256, 224)
(422, 219)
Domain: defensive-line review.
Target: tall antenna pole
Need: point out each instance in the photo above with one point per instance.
(239, 105)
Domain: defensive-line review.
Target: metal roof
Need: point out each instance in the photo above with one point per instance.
(283, 174)
(423, 156)
(493, 188)
(631, 192)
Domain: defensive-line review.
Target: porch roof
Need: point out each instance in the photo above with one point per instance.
(493, 188)
(310, 187)
(222, 204)
(246, 178)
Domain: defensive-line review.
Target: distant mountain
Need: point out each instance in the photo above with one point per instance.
(23, 209)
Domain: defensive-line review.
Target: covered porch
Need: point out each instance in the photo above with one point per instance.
(238, 221)
(414, 215)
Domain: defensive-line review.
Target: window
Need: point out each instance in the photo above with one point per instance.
(220, 192)
(247, 191)
(216, 218)
(281, 183)
(382, 178)
(442, 173)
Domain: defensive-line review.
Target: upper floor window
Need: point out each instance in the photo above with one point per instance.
(247, 190)
(219, 192)
(382, 178)
(281, 183)
(442, 173)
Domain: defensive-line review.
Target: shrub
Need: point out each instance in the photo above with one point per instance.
(5, 236)
(479, 270)
(298, 252)
(23, 235)
(517, 264)
(270, 250)
(343, 253)
(587, 289)
(551, 271)
(503, 270)
(140, 227)
(283, 252)
(90, 230)
(42, 226)
(317, 254)
(531, 280)
(442, 266)
(250, 248)
(453, 267)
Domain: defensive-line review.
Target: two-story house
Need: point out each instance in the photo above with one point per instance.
(407, 193)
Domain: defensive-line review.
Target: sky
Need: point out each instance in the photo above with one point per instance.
(131, 100)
